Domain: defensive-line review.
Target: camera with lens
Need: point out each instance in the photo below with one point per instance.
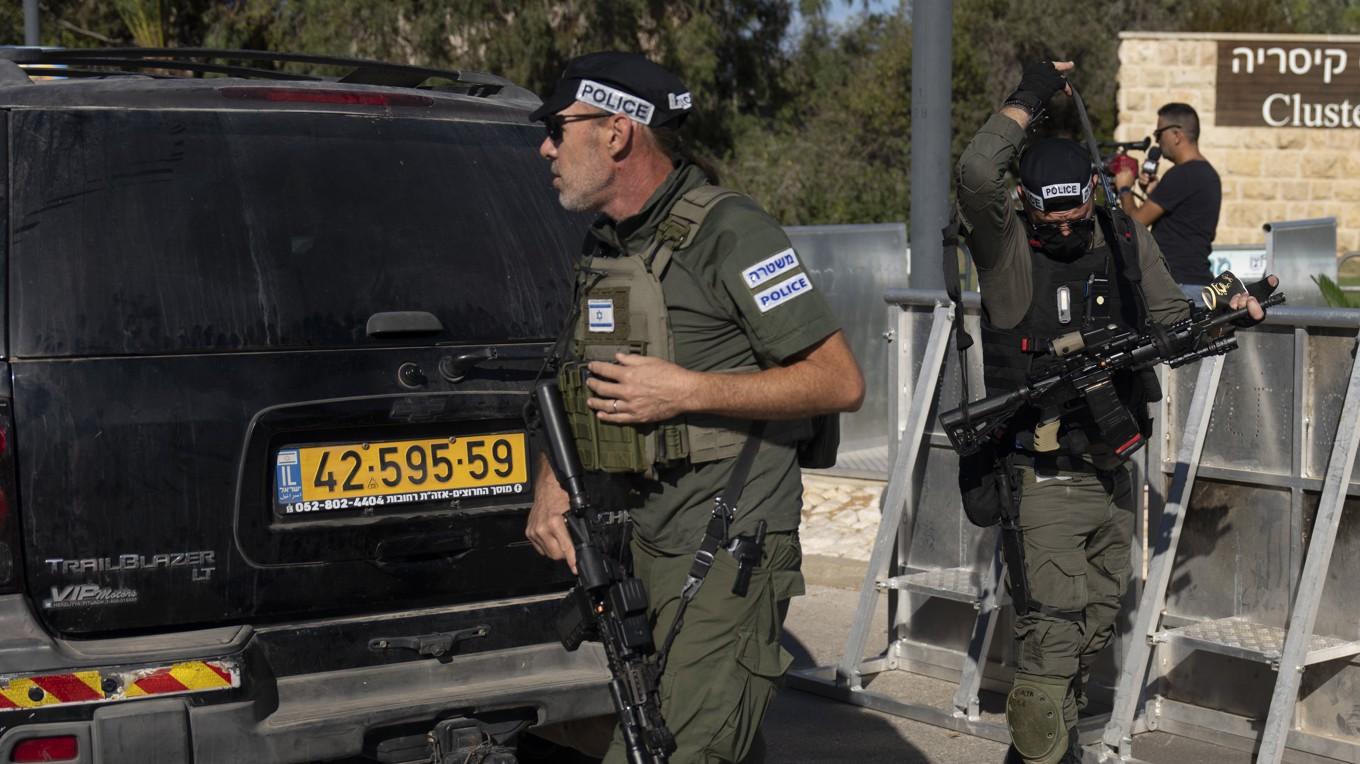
(1118, 149)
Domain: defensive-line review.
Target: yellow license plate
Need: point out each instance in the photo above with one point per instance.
(396, 472)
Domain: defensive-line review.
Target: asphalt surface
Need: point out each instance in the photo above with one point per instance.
(839, 525)
(810, 729)
(801, 727)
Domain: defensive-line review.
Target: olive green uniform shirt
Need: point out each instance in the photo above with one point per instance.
(731, 299)
(1000, 246)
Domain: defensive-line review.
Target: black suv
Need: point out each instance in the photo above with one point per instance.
(263, 474)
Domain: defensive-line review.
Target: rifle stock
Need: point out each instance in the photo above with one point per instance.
(607, 603)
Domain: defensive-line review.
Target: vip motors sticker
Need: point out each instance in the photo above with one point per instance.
(772, 266)
(88, 595)
(783, 292)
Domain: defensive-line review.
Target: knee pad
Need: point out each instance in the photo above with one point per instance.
(1034, 715)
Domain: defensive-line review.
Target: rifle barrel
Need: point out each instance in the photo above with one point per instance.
(560, 442)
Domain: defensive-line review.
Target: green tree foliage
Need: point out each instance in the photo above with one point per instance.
(1251, 16)
(1333, 294)
(730, 51)
(838, 152)
(105, 23)
(812, 118)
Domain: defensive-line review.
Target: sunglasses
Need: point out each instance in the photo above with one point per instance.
(1157, 134)
(555, 122)
(1078, 226)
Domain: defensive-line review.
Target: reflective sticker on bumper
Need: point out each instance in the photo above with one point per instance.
(113, 684)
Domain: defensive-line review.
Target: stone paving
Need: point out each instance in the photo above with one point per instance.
(840, 516)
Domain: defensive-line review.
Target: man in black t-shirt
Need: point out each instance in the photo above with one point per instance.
(1182, 208)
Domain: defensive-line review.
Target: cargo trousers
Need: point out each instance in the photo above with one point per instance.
(726, 663)
(1078, 527)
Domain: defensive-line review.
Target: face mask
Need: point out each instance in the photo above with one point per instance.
(1050, 238)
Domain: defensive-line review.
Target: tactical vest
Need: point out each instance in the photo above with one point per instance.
(622, 309)
(1059, 304)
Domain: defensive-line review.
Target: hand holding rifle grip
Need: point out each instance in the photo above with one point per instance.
(1235, 316)
(592, 571)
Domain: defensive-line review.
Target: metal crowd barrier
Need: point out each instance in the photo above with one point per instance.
(1239, 627)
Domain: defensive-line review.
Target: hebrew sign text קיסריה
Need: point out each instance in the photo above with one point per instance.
(1288, 83)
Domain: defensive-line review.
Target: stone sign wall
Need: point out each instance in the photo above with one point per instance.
(1279, 120)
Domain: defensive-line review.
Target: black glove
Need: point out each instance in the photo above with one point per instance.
(1260, 290)
(1219, 293)
(1039, 81)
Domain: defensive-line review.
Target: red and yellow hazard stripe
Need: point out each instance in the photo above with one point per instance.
(106, 685)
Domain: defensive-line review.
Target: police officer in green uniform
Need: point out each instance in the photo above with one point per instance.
(697, 319)
(1041, 272)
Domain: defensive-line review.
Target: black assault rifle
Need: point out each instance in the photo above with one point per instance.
(1086, 361)
(606, 604)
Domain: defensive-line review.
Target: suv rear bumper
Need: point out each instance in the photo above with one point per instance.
(323, 715)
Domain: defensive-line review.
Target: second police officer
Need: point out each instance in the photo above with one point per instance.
(1036, 271)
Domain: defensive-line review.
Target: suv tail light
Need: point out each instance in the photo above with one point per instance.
(63, 748)
(10, 580)
(320, 95)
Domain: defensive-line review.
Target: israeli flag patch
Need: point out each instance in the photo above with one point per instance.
(600, 315)
(772, 266)
(785, 291)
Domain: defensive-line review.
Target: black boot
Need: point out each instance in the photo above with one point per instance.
(1013, 756)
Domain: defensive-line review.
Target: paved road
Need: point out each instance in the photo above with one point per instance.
(806, 728)
(839, 524)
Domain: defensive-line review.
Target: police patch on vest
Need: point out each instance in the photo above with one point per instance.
(601, 315)
(785, 291)
(770, 267)
(616, 101)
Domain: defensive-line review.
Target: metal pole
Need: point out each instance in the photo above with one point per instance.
(31, 22)
(931, 93)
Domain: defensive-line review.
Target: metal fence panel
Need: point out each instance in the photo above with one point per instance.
(1297, 251)
(1250, 428)
(852, 265)
(1248, 524)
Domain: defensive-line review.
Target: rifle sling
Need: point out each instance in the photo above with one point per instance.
(716, 534)
(950, 265)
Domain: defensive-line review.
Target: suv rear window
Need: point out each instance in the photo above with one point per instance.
(151, 232)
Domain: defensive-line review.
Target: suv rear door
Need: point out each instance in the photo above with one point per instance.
(224, 389)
